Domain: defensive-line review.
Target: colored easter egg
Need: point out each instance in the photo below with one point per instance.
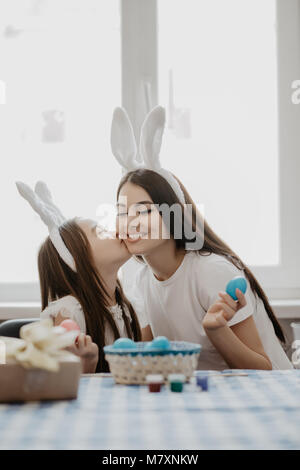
(124, 343)
(160, 342)
(236, 283)
(69, 325)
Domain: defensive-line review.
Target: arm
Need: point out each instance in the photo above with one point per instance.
(240, 344)
(147, 333)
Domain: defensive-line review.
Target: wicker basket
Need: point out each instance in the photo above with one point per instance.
(130, 366)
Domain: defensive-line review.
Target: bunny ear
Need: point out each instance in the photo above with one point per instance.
(151, 137)
(46, 213)
(42, 190)
(122, 140)
(41, 202)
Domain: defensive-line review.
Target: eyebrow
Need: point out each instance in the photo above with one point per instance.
(143, 202)
(136, 204)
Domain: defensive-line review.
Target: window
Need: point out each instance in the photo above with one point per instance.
(223, 66)
(224, 71)
(218, 81)
(60, 61)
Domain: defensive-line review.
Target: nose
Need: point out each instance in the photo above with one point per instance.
(133, 224)
(126, 225)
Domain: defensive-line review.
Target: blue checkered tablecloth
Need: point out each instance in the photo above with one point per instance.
(258, 411)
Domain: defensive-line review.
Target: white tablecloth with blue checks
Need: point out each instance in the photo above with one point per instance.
(258, 411)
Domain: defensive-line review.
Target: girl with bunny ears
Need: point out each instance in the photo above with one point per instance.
(179, 288)
(78, 269)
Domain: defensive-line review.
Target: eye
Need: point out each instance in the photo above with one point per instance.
(145, 212)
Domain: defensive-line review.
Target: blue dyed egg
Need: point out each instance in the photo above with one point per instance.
(124, 343)
(236, 283)
(161, 342)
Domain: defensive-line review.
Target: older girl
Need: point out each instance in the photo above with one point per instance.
(180, 286)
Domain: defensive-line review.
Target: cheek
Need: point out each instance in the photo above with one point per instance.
(121, 225)
(97, 251)
(157, 229)
(151, 224)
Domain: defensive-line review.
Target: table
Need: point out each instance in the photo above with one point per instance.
(257, 411)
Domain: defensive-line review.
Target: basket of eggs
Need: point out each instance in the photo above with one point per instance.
(130, 362)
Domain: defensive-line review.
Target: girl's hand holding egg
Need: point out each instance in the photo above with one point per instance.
(87, 351)
(229, 303)
(82, 347)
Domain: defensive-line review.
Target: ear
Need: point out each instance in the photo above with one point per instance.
(122, 140)
(151, 137)
(42, 190)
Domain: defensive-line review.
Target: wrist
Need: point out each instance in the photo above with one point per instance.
(89, 365)
(216, 332)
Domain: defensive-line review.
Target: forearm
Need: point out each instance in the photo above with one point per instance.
(235, 352)
(147, 333)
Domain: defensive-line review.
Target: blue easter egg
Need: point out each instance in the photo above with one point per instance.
(236, 283)
(160, 342)
(124, 343)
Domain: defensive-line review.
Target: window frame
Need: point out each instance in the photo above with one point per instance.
(283, 281)
(139, 83)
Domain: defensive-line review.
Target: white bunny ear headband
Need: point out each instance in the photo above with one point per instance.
(41, 202)
(124, 146)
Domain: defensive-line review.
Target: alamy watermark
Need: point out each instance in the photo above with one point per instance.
(296, 93)
(152, 221)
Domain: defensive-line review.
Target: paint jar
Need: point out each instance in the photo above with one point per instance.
(202, 381)
(176, 382)
(154, 381)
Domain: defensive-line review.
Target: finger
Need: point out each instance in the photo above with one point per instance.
(228, 310)
(81, 342)
(241, 299)
(229, 300)
(214, 308)
(88, 340)
(221, 319)
(71, 349)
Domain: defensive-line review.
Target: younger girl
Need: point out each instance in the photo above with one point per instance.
(78, 270)
(181, 289)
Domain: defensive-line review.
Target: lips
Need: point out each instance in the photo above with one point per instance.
(135, 237)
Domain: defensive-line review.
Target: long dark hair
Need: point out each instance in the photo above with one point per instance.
(58, 280)
(161, 192)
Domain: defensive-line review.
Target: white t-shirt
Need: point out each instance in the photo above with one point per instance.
(69, 307)
(175, 307)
